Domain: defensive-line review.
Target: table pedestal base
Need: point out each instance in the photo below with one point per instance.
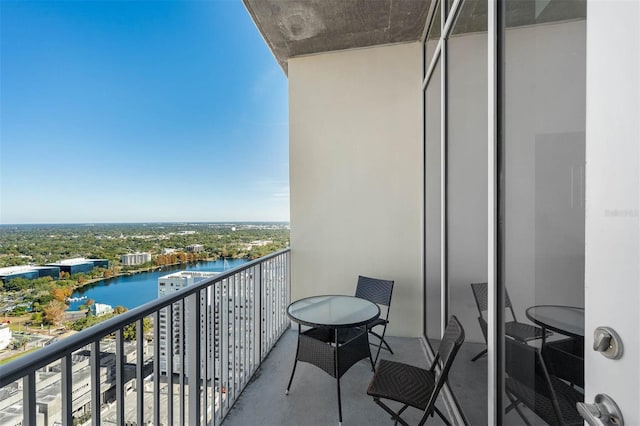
(332, 350)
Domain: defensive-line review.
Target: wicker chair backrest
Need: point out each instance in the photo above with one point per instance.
(480, 293)
(375, 290)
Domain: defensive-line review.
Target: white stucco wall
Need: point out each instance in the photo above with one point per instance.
(356, 175)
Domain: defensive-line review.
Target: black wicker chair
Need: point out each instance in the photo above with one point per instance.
(414, 386)
(514, 329)
(377, 291)
(528, 382)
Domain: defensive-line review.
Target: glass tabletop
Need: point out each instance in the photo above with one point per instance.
(563, 319)
(333, 311)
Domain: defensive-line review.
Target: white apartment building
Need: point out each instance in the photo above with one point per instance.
(99, 309)
(166, 285)
(195, 248)
(135, 258)
(5, 336)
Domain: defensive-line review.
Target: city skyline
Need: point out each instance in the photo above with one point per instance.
(117, 112)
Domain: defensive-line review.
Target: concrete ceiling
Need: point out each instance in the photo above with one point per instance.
(301, 27)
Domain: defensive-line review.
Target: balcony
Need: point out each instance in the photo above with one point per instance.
(106, 374)
(312, 399)
(122, 371)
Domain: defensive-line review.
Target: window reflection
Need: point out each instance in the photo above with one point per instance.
(542, 205)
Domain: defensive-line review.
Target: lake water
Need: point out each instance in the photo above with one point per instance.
(134, 290)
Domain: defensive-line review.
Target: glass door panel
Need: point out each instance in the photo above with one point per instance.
(542, 213)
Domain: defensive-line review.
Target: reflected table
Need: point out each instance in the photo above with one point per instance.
(567, 320)
(338, 335)
(564, 358)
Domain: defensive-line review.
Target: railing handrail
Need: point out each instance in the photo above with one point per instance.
(17, 369)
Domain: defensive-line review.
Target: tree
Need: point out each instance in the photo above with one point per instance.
(54, 312)
(130, 331)
(36, 318)
(119, 310)
(61, 293)
(89, 302)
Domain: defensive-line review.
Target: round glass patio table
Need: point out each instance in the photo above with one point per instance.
(336, 340)
(333, 311)
(567, 320)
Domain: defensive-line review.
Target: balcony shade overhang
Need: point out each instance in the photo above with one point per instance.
(303, 27)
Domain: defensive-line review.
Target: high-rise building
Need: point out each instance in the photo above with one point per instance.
(174, 340)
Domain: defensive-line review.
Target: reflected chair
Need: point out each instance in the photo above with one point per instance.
(379, 292)
(514, 329)
(414, 386)
(565, 360)
(528, 382)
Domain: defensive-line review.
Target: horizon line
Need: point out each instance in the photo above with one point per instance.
(185, 222)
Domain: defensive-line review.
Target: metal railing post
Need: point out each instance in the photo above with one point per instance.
(66, 368)
(156, 368)
(139, 365)
(29, 399)
(192, 314)
(95, 382)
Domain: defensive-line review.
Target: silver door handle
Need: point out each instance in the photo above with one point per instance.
(603, 411)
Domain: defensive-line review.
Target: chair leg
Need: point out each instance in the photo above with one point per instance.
(514, 405)
(394, 415)
(387, 345)
(480, 355)
(373, 364)
(382, 341)
(444, 419)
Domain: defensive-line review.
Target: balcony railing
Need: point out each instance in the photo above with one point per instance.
(204, 345)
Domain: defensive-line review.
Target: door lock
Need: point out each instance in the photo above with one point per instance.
(607, 342)
(603, 411)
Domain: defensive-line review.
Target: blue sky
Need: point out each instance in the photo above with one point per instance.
(134, 111)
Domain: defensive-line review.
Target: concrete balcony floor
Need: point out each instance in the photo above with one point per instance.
(312, 399)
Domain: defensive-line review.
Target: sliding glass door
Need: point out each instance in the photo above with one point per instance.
(542, 209)
(518, 170)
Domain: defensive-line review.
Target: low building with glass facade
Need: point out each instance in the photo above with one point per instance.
(29, 272)
(79, 265)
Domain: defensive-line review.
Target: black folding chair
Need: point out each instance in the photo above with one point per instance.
(514, 329)
(414, 386)
(528, 382)
(377, 291)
